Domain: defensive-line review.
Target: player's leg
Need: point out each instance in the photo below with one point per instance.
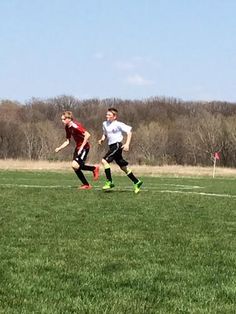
(107, 159)
(107, 168)
(132, 177)
(94, 169)
(77, 165)
(124, 167)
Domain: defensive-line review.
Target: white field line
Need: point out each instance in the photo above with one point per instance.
(150, 187)
(10, 185)
(198, 193)
(124, 188)
(182, 186)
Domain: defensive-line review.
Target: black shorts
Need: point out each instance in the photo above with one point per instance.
(115, 153)
(81, 158)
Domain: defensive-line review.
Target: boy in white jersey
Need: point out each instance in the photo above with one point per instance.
(113, 130)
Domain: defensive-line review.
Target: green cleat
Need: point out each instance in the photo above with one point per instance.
(137, 186)
(108, 185)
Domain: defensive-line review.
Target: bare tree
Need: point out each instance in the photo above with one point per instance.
(150, 141)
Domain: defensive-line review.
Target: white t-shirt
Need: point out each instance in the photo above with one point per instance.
(113, 130)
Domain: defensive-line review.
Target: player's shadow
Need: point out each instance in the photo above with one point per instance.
(117, 191)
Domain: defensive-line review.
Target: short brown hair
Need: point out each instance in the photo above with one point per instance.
(113, 110)
(68, 115)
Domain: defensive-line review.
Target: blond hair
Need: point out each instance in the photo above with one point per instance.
(68, 115)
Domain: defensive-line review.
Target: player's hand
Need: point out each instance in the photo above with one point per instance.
(57, 150)
(79, 151)
(125, 147)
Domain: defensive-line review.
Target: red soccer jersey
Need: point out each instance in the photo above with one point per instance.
(77, 131)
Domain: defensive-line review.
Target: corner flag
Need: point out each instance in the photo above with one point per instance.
(217, 155)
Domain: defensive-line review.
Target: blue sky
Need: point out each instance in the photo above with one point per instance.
(130, 49)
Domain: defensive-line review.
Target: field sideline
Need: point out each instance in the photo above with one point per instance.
(169, 249)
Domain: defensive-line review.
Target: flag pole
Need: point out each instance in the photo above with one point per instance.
(216, 156)
(214, 168)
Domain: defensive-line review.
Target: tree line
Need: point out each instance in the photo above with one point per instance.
(165, 130)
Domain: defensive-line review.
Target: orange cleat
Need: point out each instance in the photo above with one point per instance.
(85, 187)
(96, 173)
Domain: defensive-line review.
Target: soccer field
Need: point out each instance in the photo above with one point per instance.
(169, 249)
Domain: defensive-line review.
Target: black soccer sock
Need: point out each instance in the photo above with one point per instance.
(108, 174)
(81, 176)
(132, 177)
(88, 168)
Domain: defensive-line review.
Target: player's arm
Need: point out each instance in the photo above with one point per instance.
(66, 143)
(128, 130)
(102, 139)
(127, 143)
(86, 137)
(103, 135)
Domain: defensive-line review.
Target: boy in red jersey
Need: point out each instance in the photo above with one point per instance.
(81, 135)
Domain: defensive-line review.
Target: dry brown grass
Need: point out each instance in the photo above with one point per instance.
(178, 171)
(15, 164)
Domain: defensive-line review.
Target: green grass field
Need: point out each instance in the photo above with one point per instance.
(169, 249)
